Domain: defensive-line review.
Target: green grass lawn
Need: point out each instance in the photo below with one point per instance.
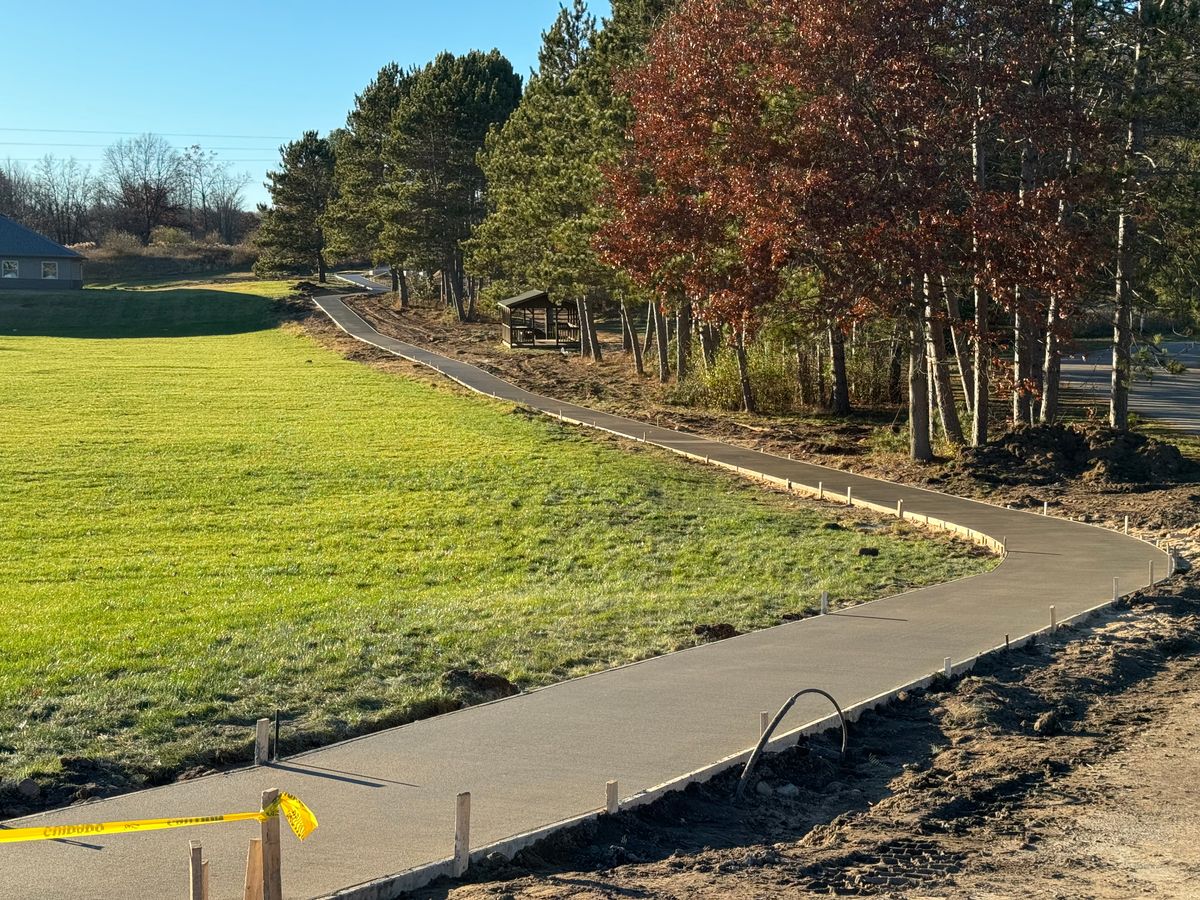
(205, 516)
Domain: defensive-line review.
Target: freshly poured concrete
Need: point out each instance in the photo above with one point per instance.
(386, 802)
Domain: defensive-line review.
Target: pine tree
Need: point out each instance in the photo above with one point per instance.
(434, 191)
(355, 219)
(545, 167)
(292, 236)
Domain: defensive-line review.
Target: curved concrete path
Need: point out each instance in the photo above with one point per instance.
(386, 802)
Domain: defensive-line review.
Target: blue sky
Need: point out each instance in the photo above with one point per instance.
(261, 71)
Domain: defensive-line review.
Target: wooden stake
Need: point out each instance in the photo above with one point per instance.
(900, 509)
(1116, 589)
(262, 740)
(612, 799)
(764, 719)
(196, 871)
(254, 871)
(1127, 524)
(204, 879)
(849, 499)
(462, 835)
(820, 490)
(1053, 620)
(824, 603)
(1045, 507)
(272, 878)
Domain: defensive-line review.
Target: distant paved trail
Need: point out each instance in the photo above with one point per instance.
(386, 802)
(1170, 399)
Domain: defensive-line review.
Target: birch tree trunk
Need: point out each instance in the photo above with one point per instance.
(920, 445)
(942, 388)
(743, 364)
(982, 361)
(593, 338)
(1127, 238)
(966, 372)
(585, 337)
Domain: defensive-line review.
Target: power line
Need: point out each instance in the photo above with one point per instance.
(53, 144)
(4, 144)
(181, 134)
(35, 159)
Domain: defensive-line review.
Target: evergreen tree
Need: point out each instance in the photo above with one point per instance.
(355, 218)
(434, 192)
(292, 236)
(544, 168)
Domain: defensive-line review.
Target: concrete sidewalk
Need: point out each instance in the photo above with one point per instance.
(386, 802)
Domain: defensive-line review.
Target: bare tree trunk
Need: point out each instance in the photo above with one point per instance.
(820, 366)
(707, 351)
(631, 340)
(683, 339)
(895, 392)
(1052, 360)
(664, 347)
(400, 282)
(321, 266)
(585, 337)
(710, 343)
(940, 365)
(593, 338)
(739, 351)
(1051, 366)
(982, 362)
(966, 374)
(839, 399)
(920, 445)
(649, 341)
(1127, 239)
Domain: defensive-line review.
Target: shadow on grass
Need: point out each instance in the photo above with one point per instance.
(101, 314)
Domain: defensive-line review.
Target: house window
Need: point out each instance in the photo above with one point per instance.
(49, 270)
(10, 269)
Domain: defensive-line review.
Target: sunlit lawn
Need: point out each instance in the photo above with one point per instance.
(204, 516)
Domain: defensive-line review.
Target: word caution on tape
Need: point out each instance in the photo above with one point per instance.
(298, 816)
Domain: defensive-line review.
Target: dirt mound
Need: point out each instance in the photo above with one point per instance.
(1049, 454)
(718, 631)
(478, 687)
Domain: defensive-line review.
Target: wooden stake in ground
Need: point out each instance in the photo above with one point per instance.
(254, 871)
(462, 835)
(196, 872)
(272, 879)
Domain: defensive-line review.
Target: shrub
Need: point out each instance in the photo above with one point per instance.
(121, 242)
(772, 376)
(168, 236)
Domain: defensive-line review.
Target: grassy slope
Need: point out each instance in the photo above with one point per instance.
(198, 529)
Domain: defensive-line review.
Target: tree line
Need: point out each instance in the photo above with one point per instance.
(896, 199)
(143, 183)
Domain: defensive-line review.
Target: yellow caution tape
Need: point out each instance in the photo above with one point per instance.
(298, 816)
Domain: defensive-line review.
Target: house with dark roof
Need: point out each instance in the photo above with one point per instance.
(31, 262)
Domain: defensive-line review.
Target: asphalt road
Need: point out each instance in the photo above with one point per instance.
(386, 802)
(1170, 399)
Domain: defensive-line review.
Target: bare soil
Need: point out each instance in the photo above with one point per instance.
(1067, 769)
